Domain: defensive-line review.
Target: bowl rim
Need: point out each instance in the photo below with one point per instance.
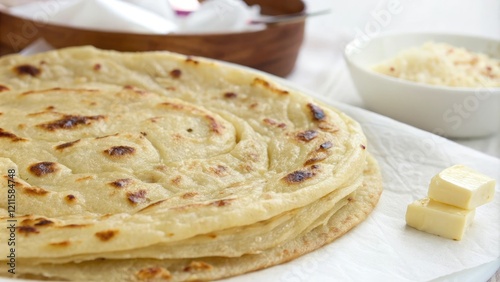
(458, 89)
(263, 27)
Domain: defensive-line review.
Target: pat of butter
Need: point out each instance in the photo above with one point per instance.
(462, 187)
(438, 218)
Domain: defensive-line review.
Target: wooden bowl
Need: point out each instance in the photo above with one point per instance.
(273, 49)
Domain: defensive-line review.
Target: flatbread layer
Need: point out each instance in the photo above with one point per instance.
(126, 156)
(212, 268)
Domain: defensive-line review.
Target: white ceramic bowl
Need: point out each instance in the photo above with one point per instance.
(457, 112)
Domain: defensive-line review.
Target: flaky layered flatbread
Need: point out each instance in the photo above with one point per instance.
(137, 166)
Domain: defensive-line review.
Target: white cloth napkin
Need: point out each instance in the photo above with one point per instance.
(160, 7)
(111, 15)
(140, 16)
(220, 16)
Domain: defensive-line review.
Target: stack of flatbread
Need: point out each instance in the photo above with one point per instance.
(157, 166)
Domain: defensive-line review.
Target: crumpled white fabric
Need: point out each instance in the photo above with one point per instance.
(220, 16)
(110, 15)
(140, 16)
(160, 7)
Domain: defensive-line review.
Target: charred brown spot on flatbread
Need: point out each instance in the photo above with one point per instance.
(3, 88)
(27, 230)
(298, 176)
(222, 203)
(66, 145)
(35, 191)
(230, 95)
(11, 136)
(315, 160)
(188, 195)
(69, 122)
(175, 73)
(65, 243)
(317, 113)
(121, 183)
(106, 235)
(219, 170)
(174, 106)
(119, 151)
(176, 180)
(43, 168)
(214, 125)
(84, 178)
(38, 222)
(270, 121)
(218, 203)
(325, 146)
(137, 197)
(134, 89)
(153, 273)
(70, 198)
(97, 67)
(44, 222)
(27, 69)
(307, 135)
(268, 86)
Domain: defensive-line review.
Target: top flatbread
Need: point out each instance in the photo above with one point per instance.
(110, 147)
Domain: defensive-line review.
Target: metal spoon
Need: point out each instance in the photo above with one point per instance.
(288, 18)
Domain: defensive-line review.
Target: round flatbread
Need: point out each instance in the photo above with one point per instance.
(133, 157)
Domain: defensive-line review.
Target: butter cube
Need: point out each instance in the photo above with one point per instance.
(462, 187)
(438, 218)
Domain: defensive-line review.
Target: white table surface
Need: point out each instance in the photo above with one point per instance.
(321, 67)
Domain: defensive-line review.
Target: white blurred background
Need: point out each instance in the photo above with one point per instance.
(321, 68)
